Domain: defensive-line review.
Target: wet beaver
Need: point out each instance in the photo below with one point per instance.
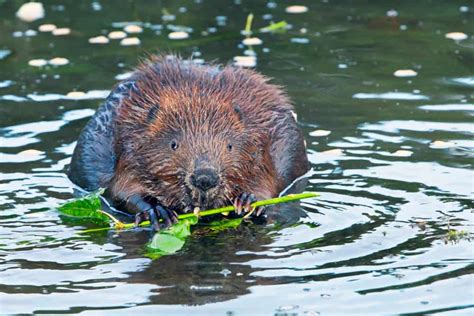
(179, 136)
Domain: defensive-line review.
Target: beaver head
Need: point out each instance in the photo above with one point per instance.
(187, 141)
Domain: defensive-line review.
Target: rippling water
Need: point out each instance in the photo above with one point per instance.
(392, 159)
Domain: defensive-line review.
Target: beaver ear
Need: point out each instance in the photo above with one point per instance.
(152, 113)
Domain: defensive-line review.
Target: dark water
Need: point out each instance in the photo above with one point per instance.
(395, 173)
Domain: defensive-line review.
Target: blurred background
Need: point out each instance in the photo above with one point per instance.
(384, 93)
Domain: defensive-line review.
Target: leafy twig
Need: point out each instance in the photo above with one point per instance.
(284, 199)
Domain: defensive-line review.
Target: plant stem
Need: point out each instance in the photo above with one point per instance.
(274, 27)
(248, 24)
(283, 199)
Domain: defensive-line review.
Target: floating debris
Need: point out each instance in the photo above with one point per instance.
(456, 36)
(30, 11)
(130, 41)
(251, 41)
(405, 73)
(31, 152)
(319, 133)
(99, 40)
(402, 153)
(62, 31)
(75, 95)
(245, 61)
(334, 152)
(178, 35)
(59, 61)
(23, 156)
(133, 29)
(46, 27)
(38, 62)
(294, 9)
(439, 144)
(117, 35)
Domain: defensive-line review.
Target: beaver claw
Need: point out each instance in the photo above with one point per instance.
(243, 203)
(153, 213)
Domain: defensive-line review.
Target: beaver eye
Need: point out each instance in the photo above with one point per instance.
(229, 147)
(174, 144)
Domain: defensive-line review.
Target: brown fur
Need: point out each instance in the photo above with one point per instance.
(204, 110)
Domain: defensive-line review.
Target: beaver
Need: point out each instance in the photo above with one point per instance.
(177, 137)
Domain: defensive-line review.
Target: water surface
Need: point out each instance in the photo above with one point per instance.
(392, 159)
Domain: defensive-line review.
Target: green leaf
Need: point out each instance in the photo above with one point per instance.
(170, 240)
(88, 207)
(163, 244)
(223, 224)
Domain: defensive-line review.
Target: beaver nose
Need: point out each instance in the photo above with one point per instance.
(204, 179)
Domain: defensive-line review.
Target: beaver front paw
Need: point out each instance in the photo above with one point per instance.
(152, 212)
(243, 203)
